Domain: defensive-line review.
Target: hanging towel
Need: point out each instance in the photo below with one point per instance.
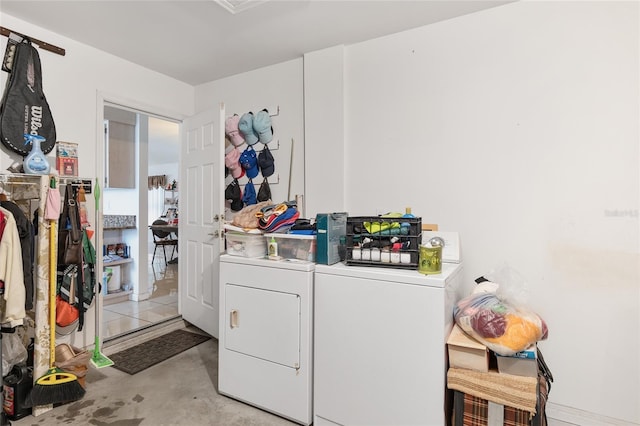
(52, 209)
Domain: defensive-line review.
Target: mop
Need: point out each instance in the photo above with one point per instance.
(98, 360)
(55, 386)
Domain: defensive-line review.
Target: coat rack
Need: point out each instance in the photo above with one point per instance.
(42, 44)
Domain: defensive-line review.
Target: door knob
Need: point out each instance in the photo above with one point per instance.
(214, 234)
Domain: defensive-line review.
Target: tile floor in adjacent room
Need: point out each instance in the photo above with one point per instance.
(124, 317)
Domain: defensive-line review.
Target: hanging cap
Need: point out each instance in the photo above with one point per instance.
(231, 161)
(262, 126)
(249, 196)
(266, 162)
(249, 162)
(232, 131)
(233, 193)
(264, 193)
(245, 125)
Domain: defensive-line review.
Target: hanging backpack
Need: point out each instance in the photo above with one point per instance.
(24, 108)
(77, 284)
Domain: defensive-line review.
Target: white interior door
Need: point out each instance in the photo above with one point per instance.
(201, 213)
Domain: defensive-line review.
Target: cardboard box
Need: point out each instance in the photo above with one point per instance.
(524, 363)
(331, 228)
(466, 352)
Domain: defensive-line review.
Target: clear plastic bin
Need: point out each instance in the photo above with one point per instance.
(294, 246)
(246, 245)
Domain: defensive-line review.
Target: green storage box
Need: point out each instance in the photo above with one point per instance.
(331, 231)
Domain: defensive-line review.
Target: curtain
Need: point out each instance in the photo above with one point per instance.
(159, 181)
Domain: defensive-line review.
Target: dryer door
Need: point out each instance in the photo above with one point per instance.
(263, 323)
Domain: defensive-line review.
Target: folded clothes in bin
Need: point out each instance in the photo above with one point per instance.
(277, 217)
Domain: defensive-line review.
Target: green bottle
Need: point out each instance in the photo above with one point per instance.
(273, 248)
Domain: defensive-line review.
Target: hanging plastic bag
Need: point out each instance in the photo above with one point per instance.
(496, 314)
(13, 352)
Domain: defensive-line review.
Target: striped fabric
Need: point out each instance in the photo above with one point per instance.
(476, 413)
(470, 410)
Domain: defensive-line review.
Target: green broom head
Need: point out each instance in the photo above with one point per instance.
(100, 360)
(55, 387)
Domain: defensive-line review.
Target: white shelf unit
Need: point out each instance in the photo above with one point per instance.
(122, 295)
(170, 202)
(127, 273)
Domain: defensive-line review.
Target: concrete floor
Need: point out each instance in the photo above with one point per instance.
(179, 391)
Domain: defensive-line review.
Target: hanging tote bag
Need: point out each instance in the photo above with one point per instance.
(69, 233)
(66, 311)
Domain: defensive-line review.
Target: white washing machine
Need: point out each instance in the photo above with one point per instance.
(266, 334)
(380, 344)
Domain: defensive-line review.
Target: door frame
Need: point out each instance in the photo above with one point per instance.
(109, 99)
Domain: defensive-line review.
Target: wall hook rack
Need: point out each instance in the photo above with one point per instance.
(41, 44)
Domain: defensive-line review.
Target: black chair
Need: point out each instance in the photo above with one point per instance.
(163, 239)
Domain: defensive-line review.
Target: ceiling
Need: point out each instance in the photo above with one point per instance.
(201, 41)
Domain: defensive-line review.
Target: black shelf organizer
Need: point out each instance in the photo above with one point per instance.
(365, 233)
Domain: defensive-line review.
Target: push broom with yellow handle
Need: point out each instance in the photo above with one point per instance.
(55, 386)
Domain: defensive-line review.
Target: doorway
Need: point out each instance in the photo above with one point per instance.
(141, 169)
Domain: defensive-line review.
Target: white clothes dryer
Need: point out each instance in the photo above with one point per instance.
(266, 334)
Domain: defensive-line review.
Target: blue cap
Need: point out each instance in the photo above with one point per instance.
(249, 162)
(249, 196)
(245, 125)
(262, 126)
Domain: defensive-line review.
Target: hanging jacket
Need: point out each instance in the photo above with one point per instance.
(25, 231)
(11, 273)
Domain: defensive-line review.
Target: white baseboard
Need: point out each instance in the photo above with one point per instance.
(140, 296)
(562, 415)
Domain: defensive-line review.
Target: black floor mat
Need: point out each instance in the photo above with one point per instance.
(149, 353)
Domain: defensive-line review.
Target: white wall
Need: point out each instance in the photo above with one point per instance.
(73, 84)
(518, 128)
(324, 130)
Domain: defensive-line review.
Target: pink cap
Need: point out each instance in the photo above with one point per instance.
(231, 160)
(231, 130)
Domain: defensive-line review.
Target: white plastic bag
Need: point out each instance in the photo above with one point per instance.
(13, 352)
(496, 313)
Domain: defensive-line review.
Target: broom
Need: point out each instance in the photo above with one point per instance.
(55, 386)
(98, 360)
